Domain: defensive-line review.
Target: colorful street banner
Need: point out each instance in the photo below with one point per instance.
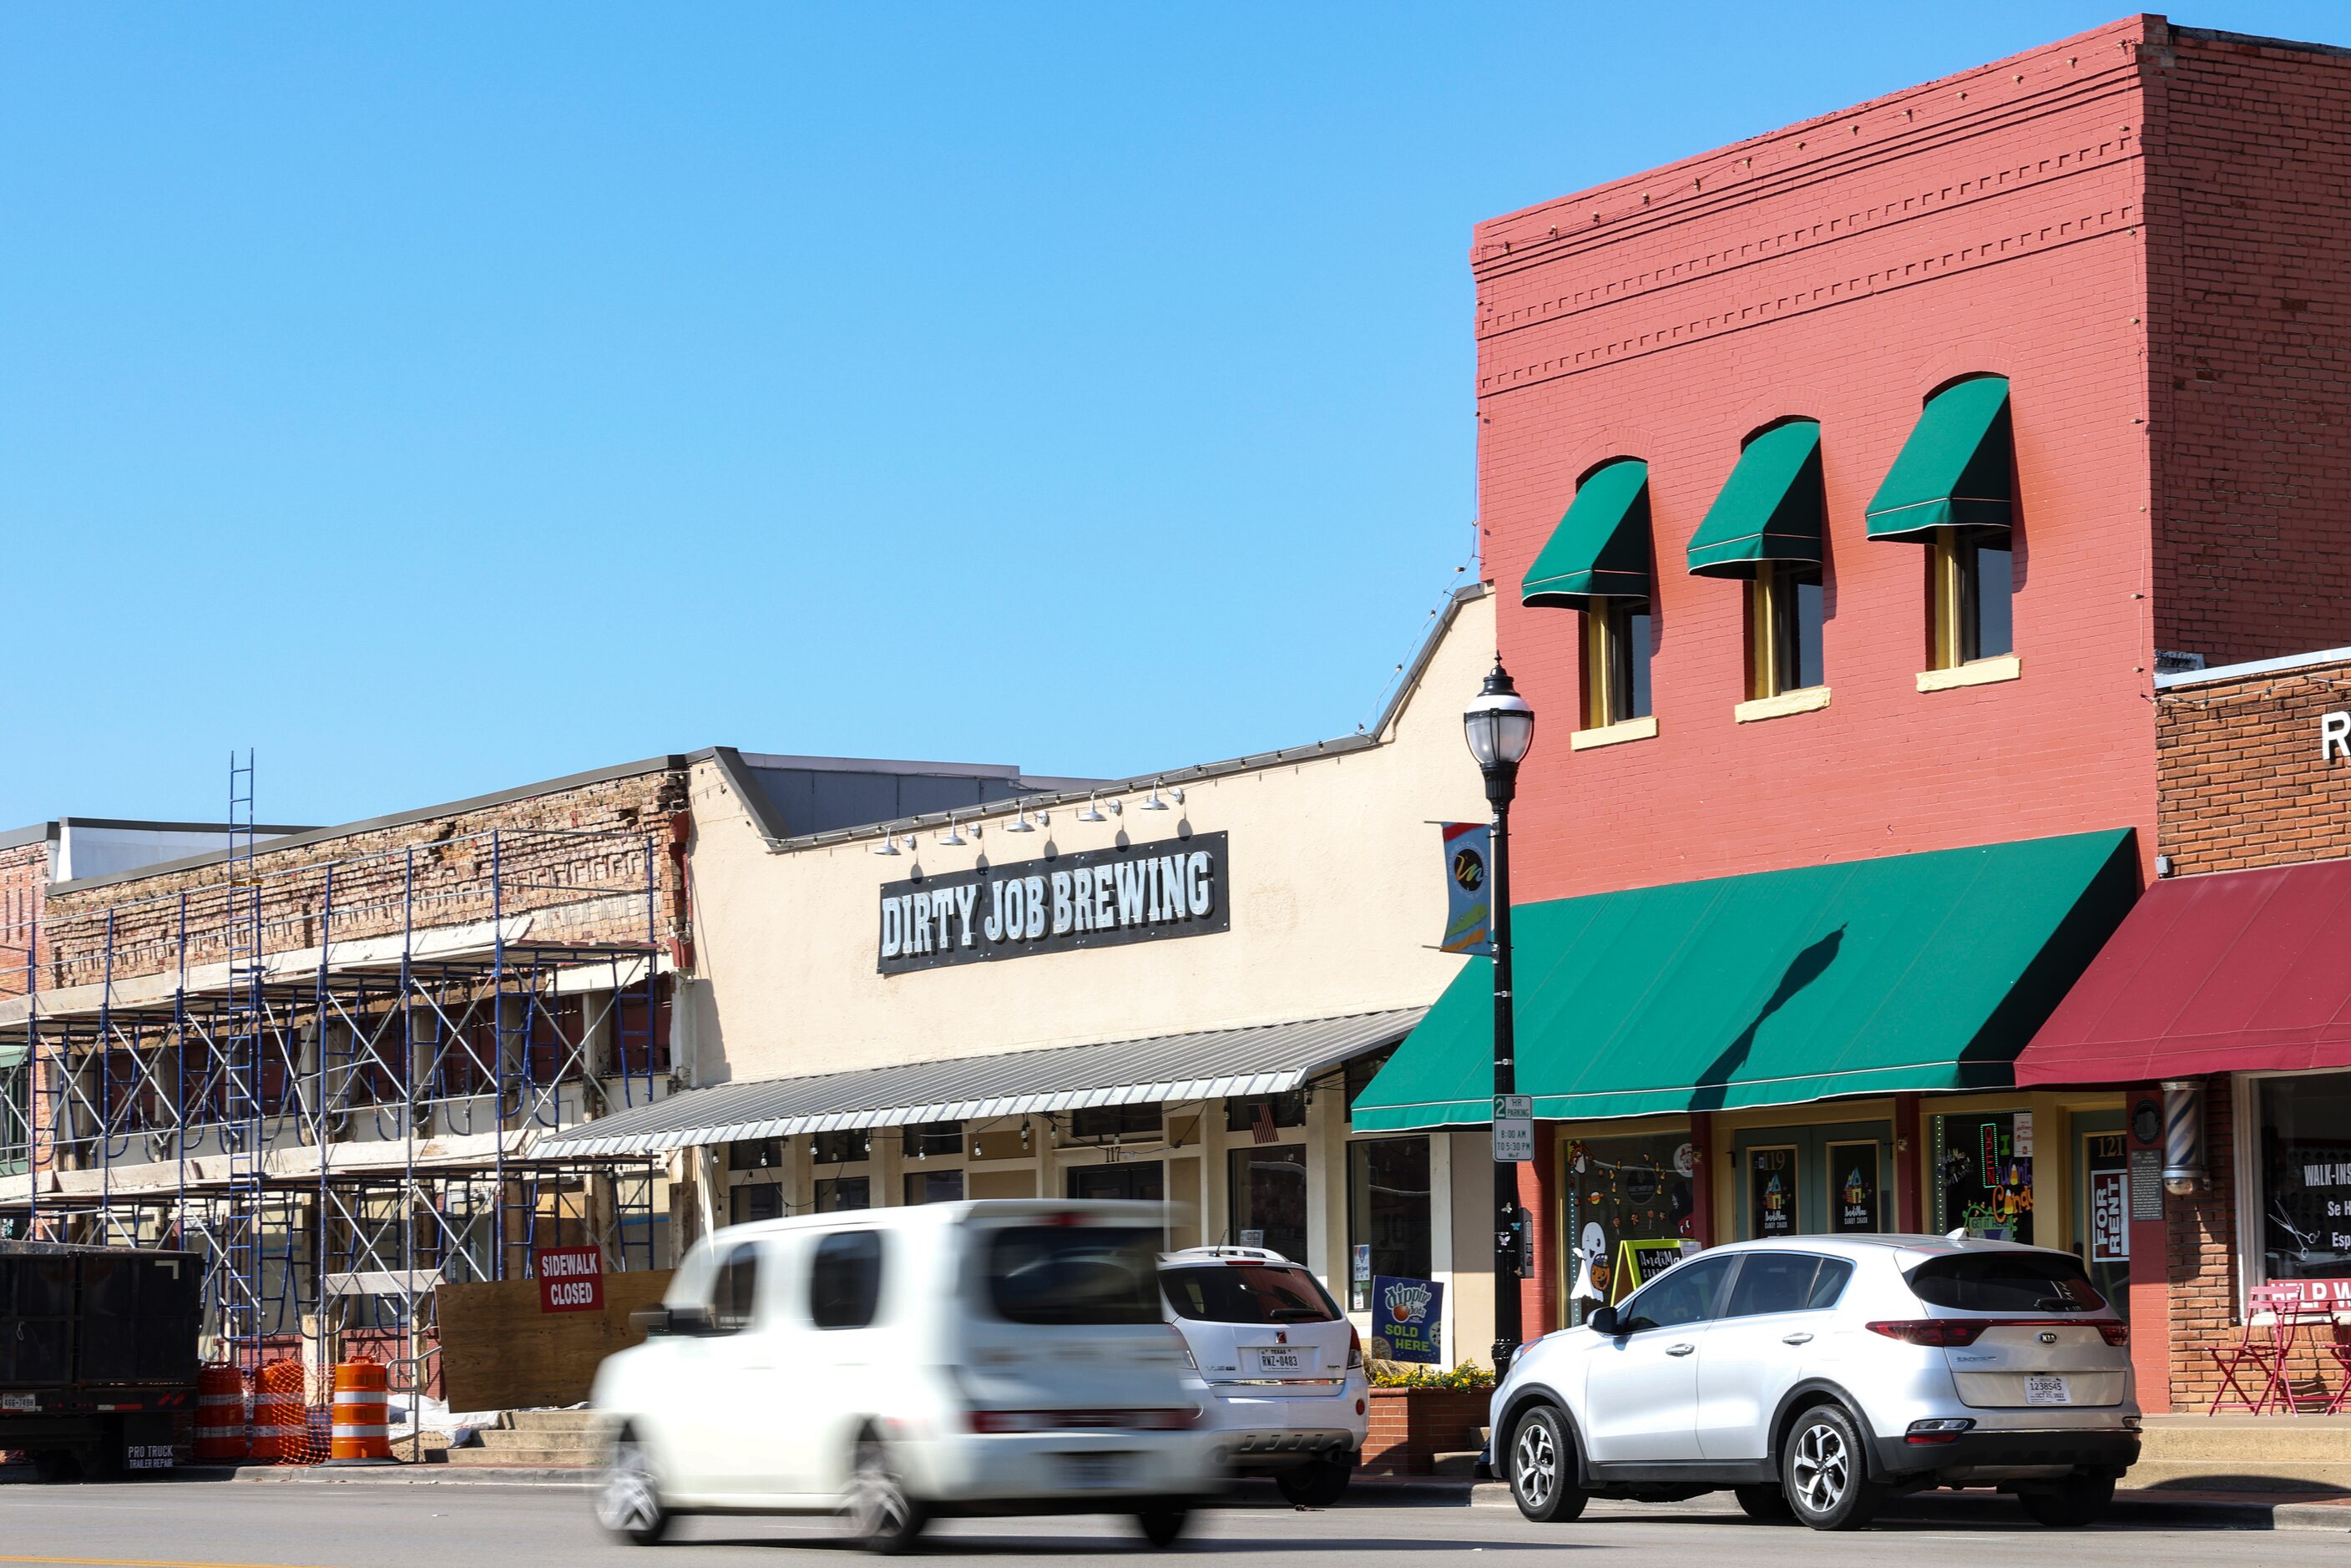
(1407, 1320)
(1466, 849)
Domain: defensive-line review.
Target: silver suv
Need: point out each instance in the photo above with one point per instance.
(1817, 1376)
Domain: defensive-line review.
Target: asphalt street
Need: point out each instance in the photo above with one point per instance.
(190, 1524)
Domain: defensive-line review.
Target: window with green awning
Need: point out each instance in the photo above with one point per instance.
(1906, 973)
(1955, 470)
(1770, 508)
(1600, 547)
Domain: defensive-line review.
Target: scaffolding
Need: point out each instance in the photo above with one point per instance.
(328, 1077)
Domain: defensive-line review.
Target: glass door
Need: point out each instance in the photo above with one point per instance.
(1813, 1181)
(2102, 1205)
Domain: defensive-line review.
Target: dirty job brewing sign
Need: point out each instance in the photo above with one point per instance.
(1096, 898)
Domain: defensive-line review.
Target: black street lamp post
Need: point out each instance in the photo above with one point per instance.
(1499, 727)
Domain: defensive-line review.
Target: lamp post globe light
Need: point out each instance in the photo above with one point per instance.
(1500, 727)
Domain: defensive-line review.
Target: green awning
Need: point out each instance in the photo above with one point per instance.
(1600, 547)
(1770, 507)
(1954, 470)
(1910, 972)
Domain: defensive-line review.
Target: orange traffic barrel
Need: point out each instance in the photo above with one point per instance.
(277, 1420)
(220, 1416)
(362, 1433)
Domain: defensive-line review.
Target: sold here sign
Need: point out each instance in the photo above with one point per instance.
(571, 1279)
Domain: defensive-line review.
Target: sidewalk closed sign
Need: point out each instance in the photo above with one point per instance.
(1514, 1128)
(571, 1279)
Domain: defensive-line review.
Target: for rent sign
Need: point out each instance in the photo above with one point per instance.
(571, 1279)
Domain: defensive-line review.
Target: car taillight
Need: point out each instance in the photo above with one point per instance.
(1932, 1330)
(1354, 1347)
(1184, 1348)
(2115, 1330)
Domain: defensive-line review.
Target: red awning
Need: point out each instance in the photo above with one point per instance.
(2236, 971)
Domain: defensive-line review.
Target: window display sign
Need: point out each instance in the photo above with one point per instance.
(2305, 1162)
(1638, 1263)
(1984, 1181)
(1408, 1317)
(1855, 1194)
(1772, 1191)
(1093, 898)
(1617, 1191)
(2109, 1197)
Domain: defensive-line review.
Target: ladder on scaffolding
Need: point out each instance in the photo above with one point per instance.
(238, 1236)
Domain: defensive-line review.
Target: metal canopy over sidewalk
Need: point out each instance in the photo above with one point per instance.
(1271, 1058)
(1910, 972)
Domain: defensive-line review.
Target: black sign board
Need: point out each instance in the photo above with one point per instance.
(1853, 1188)
(1772, 1192)
(2145, 1185)
(1093, 898)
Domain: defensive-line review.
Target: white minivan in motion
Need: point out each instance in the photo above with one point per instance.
(1818, 1375)
(901, 1364)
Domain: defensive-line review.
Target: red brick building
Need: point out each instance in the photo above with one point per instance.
(1847, 487)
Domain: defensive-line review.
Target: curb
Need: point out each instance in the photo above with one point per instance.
(2140, 1509)
(576, 1479)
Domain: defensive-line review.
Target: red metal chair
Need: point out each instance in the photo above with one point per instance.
(2274, 1318)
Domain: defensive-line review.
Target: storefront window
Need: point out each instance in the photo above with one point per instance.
(933, 1186)
(1389, 1226)
(1629, 1202)
(1118, 1120)
(1272, 1111)
(754, 1154)
(1985, 1181)
(933, 1138)
(841, 1148)
(838, 1194)
(1269, 1191)
(2305, 1157)
(763, 1201)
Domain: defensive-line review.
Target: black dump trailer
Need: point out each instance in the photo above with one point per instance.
(98, 1355)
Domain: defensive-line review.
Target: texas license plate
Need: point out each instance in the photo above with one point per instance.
(1107, 1469)
(2043, 1390)
(1276, 1361)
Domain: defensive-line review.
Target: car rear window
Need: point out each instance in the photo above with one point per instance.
(1246, 1293)
(1073, 1274)
(2006, 1282)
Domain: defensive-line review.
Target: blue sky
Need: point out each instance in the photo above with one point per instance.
(440, 399)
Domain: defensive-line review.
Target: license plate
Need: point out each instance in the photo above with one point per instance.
(1096, 1470)
(2047, 1391)
(1277, 1360)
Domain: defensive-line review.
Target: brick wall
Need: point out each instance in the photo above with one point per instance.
(2249, 212)
(2240, 781)
(24, 880)
(1842, 269)
(2200, 1259)
(575, 858)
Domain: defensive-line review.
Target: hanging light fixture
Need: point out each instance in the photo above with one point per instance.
(953, 838)
(888, 846)
(1091, 813)
(1155, 803)
(1019, 822)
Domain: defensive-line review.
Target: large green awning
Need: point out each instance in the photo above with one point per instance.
(1954, 471)
(1770, 507)
(1910, 972)
(1600, 547)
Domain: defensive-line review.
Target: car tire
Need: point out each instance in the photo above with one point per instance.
(628, 1496)
(1318, 1483)
(1161, 1526)
(1541, 1458)
(1765, 1502)
(2071, 1504)
(883, 1517)
(1824, 1471)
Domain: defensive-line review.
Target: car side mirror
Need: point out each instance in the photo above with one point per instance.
(1604, 1321)
(670, 1319)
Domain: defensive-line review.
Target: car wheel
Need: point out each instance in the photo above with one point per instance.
(881, 1517)
(2070, 1504)
(628, 1498)
(1825, 1474)
(1543, 1468)
(1764, 1503)
(1318, 1483)
(1161, 1526)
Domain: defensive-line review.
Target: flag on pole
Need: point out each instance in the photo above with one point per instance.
(1466, 848)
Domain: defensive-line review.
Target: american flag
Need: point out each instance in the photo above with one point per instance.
(1261, 1127)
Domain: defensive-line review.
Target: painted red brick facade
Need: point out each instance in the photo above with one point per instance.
(1842, 269)
(2139, 227)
